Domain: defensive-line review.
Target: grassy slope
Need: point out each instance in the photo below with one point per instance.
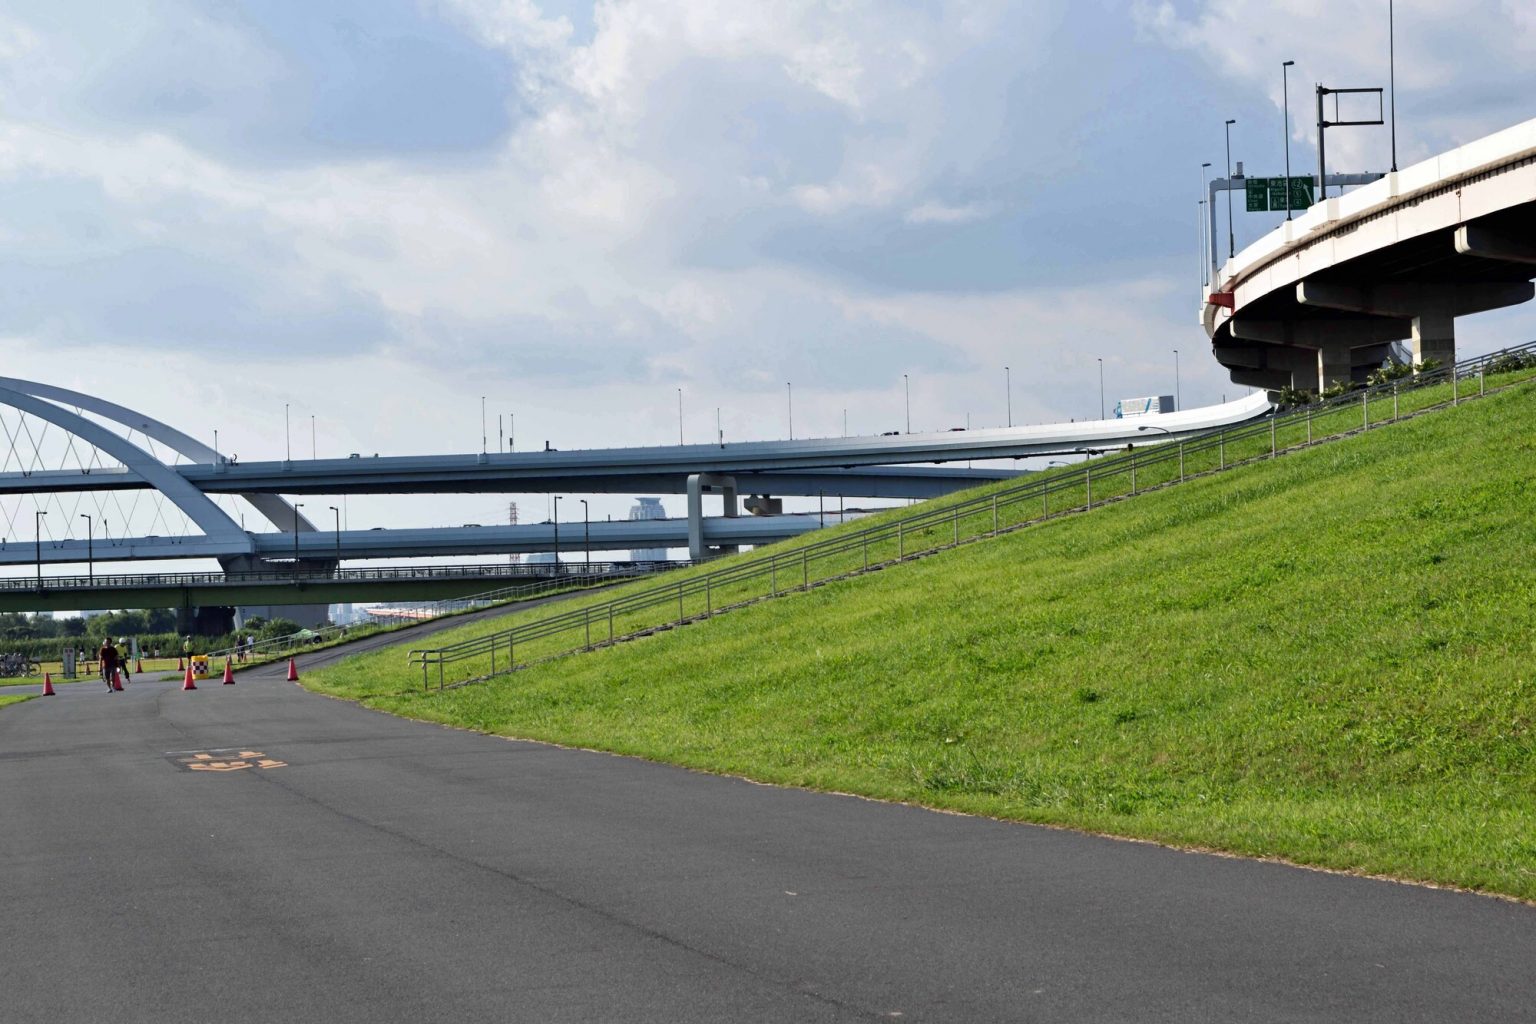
(1327, 657)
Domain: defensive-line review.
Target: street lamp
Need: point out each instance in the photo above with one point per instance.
(557, 534)
(586, 531)
(789, 398)
(333, 508)
(1101, 386)
(1285, 90)
(90, 568)
(1150, 427)
(1207, 227)
(37, 533)
(1008, 386)
(296, 506)
(679, 415)
(1231, 236)
(907, 384)
(1178, 399)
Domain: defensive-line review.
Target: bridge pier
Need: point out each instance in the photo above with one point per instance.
(700, 484)
(1434, 337)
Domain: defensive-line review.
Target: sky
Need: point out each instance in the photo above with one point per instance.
(375, 213)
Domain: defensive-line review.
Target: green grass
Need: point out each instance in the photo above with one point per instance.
(1326, 657)
(14, 698)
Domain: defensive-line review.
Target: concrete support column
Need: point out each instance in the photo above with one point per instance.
(713, 483)
(1434, 337)
(1334, 363)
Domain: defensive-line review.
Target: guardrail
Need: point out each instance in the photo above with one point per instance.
(940, 525)
(384, 574)
(576, 580)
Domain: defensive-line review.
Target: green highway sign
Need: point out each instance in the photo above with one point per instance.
(1257, 191)
(1268, 194)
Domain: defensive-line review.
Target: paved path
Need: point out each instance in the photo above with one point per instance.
(393, 871)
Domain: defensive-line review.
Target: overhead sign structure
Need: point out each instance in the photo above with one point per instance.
(1268, 194)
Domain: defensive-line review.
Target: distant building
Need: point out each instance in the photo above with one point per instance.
(643, 509)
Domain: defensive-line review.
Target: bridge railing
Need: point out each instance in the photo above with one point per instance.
(539, 571)
(945, 523)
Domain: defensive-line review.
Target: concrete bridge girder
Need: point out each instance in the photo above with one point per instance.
(1430, 307)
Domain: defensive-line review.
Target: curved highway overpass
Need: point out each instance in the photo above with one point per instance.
(1321, 298)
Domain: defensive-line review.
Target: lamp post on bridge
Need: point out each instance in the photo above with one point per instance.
(586, 532)
(556, 519)
(1101, 385)
(90, 560)
(1285, 89)
(1178, 399)
(336, 510)
(1207, 227)
(296, 506)
(1008, 386)
(37, 534)
(1231, 235)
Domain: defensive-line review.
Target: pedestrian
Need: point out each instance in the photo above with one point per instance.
(107, 657)
(186, 648)
(122, 658)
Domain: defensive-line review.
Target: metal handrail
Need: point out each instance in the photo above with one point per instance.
(1162, 452)
(448, 606)
(383, 574)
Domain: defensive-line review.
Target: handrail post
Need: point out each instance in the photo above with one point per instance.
(1221, 448)
(586, 620)
(1133, 472)
(1365, 412)
(1394, 400)
(426, 687)
(1482, 382)
(493, 659)
(994, 515)
(1088, 480)
(955, 519)
(1181, 462)
(805, 568)
(1309, 424)
(709, 601)
(1454, 377)
(512, 650)
(864, 541)
(1045, 501)
(679, 602)
(773, 575)
(439, 673)
(1273, 450)
(610, 622)
(901, 543)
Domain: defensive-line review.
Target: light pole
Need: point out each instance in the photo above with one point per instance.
(1150, 427)
(586, 532)
(1101, 386)
(1008, 387)
(333, 508)
(1231, 235)
(1285, 89)
(287, 435)
(296, 506)
(90, 569)
(679, 416)
(37, 533)
(906, 384)
(1392, 78)
(1178, 399)
(1207, 227)
(789, 398)
(314, 449)
(557, 534)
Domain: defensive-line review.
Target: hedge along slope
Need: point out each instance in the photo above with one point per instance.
(1327, 657)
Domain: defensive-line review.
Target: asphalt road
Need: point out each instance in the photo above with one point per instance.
(381, 870)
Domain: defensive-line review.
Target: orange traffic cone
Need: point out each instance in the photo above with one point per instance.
(229, 674)
(48, 685)
(186, 680)
(293, 671)
(179, 665)
(138, 666)
(117, 679)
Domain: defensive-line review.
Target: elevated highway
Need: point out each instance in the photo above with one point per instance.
(1321, 298)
